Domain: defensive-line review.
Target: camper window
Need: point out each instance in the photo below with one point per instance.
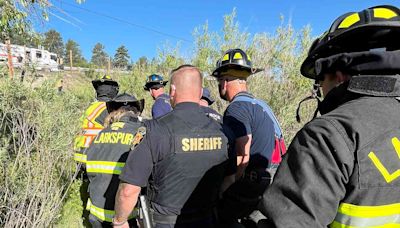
(38, 54)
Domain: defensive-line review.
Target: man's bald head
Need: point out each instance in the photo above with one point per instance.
(186, 85)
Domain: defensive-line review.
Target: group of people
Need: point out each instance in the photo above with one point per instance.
(191, 167)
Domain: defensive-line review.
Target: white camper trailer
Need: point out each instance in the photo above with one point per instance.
(38, 58)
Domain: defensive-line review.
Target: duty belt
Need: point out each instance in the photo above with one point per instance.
(259, 175)
(184, 218)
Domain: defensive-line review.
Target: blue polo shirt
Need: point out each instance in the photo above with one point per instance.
(245, 116)
(161, 106)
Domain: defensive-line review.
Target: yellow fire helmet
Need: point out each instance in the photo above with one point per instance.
(377, 27)
(236, 60)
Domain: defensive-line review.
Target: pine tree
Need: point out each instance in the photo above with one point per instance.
(77, 58)
(53, 42)
(121, 57)
(99, 56)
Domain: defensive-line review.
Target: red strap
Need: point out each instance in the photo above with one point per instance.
(279, 150)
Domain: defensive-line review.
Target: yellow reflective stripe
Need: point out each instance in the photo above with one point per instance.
(226, 57)
(349, 20)
(106, 167)
(384, 13)
(104, 214)
(80, 157)
(94, 110)
(385, 216)
(369, 211)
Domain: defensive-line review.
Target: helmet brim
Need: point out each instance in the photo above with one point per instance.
(139, 104)
(217, 72)
(97, 83)
(353, 40)
(150, 85)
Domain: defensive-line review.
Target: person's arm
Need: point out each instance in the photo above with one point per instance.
(160, 108)
(242, 148)
(125, 202)
(135, 175)
(237, 120)
(311, 180)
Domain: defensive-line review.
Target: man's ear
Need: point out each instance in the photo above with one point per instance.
(172, 90)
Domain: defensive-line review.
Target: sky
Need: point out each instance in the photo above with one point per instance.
(144, 26)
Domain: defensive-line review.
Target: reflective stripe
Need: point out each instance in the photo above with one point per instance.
(104, 167)
(88, 141)
(386, 216)
(91, 131)
(384, 13)
(104, 214)
(349, 21)
(98, 108)
(80, 157)
(94, 110)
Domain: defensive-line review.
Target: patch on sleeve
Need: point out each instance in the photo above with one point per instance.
(140, 133)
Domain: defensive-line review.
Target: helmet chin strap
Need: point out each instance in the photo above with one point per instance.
(316, 94)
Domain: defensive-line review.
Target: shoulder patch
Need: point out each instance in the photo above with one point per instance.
(140, 133)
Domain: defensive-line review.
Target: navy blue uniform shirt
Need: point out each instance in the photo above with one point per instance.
(212, 114)
(161, 106)
(247, 118)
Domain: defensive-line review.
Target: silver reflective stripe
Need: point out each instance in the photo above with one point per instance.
(367, 222)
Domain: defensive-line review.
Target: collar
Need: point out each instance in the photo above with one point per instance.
(129, 118)
(187, 106)
(336, 97)
(243, 93)
(163, 96)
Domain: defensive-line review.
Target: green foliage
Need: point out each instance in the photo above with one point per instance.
(53, 42)
(121, 57)
(36, 160)
(99, 56)
(14, 17)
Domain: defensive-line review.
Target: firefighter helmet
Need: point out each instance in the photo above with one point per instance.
(154, 80)
(234, 59)
(104, 80)
(373, 28)
(125, 100)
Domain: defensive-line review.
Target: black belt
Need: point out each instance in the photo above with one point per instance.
(164, 219)
(184, 218)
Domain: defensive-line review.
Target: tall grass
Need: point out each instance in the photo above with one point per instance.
(36, 162)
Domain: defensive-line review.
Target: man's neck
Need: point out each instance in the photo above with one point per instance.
(235, 92)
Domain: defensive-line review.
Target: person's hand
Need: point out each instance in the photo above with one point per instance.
(120, 224)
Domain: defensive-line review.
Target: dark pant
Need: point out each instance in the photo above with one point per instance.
(191, 222)
(84, 194)
(240, 201)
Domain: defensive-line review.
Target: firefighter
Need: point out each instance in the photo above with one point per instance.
(93, 118)
(184, 153)
(342, 169)
(155, 85)
(106, 157)
(92, 123)
(257, 136)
